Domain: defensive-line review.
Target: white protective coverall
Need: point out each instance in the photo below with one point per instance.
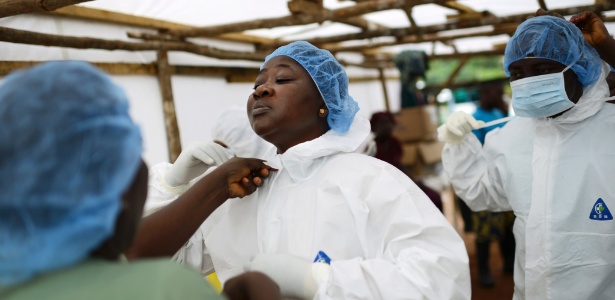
(550, 172)
(385, 237)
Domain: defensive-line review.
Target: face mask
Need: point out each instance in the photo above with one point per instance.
(540, 96)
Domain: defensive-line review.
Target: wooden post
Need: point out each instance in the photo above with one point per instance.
(543, 5)
(451, 77)
(383, 81)
(168, 106)
(18, 7)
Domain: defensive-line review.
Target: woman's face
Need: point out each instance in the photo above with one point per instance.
(284, 107)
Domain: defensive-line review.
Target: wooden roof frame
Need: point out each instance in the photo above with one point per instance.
(171, 36)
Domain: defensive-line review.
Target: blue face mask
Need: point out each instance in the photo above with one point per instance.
(540, 96)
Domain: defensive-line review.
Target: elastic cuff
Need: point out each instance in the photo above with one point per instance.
(176, 190)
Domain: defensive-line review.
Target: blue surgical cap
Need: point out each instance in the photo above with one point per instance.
(555, 39)
(330, 78)
(69, 151)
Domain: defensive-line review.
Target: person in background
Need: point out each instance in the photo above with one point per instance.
(553, 164)
(74, 186)
(385, 239)
(610, 81)
(488, 225)
(389, 149)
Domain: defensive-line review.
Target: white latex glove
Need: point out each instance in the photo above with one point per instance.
(194, 161)
(457, 127)
(371, 148)
(297, 277)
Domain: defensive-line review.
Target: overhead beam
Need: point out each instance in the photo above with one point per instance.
(18, 7)
(101, 15)
(43, 39)
(458, 7)
(403, 32)
(505, 29)
(336, 15)
(249, 74)
(316, 7)
(453, 75)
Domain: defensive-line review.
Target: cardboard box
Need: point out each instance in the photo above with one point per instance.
(416, 124)
(430, 152)
(410, 154)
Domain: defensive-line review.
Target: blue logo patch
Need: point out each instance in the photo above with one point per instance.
(600, 212)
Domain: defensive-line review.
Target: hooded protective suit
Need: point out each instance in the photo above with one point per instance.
(384, 236)
(551, 173)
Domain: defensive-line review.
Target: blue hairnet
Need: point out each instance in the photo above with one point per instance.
(555, 39)
(330, 78)
(69, 151)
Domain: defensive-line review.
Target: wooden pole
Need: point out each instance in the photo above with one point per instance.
(543, 5)
(451, 77)
(18, 7)
(168, 106)
(383, 81)
(43, 39)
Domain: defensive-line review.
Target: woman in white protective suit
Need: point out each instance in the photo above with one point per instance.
(385, 238)
(553, 166)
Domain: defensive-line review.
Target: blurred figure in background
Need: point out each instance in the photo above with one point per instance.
(488, 225)
(389, 149)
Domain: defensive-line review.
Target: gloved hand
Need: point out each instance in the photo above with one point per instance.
(457, 127)
(297, 277)
(194, 161)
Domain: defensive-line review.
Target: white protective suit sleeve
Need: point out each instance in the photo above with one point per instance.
(474, 171)
(412, 250)
(194, 253)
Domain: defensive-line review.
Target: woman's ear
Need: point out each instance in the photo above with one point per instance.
(323, 111)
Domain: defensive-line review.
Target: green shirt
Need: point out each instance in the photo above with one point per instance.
(96, 279)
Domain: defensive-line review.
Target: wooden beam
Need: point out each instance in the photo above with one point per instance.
(383, 82)
(408, 11)
(18, 7)
(316, 7)
(543, 5)
(451, 77)
(236, 73)
(458, 7)
(336, 15)
(433, 37)
(86, 13)
(403, 32)
(168, 106)
(42, 39)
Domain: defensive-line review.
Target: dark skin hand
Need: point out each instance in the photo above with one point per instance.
(165, 231)
(251, 286)
(594, 32)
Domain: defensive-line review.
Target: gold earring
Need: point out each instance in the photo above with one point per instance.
(322, 111)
